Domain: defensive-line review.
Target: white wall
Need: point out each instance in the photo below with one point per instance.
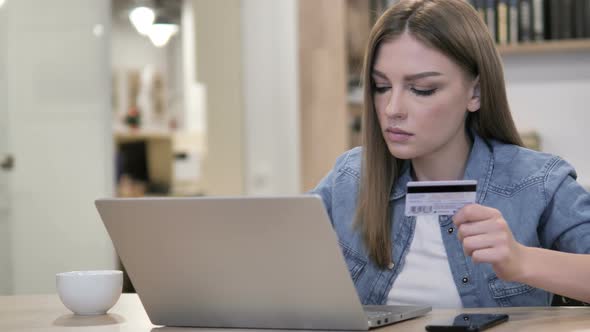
(175, 78)
(57, 92)
(131, 51)
(549, 93)
(271, 96)
(5, 238)
(193, 118)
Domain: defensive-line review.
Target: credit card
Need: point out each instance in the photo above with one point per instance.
(439, 197)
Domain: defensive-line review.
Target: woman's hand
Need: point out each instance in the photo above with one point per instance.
(486, 237)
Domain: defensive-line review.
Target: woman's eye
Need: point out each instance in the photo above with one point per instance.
(423, 93)
(381, 89)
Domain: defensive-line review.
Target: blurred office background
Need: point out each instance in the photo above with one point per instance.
(218, 97)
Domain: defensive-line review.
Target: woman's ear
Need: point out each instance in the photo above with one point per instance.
(475, 101)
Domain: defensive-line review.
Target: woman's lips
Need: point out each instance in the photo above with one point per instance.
(397, 135)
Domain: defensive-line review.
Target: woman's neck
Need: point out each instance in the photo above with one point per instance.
(447, 163)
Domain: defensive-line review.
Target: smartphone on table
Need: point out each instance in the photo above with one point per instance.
(469, 323)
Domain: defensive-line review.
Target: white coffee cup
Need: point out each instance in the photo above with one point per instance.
(89, 292)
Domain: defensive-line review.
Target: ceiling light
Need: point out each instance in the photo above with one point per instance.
(161, 31)
(142, 19)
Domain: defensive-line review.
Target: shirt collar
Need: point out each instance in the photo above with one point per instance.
(478, 168)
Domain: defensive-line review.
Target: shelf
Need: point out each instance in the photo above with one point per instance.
(131, 135)
(546, 47)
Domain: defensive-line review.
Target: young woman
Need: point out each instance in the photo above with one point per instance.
(436, 109)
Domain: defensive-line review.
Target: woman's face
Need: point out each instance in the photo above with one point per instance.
(421, 98)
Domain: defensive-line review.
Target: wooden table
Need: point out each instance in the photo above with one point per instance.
(42, 313)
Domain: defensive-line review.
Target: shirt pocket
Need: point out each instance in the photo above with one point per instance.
(508, 294)
(354, 261)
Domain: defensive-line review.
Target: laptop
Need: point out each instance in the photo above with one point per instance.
(240, 262)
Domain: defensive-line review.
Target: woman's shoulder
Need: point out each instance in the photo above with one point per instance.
(509, 153)
(350, 162)
(513, 163)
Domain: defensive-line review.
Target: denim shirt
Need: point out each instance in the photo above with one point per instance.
(536, 193)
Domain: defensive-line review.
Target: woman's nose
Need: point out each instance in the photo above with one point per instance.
(395, 107)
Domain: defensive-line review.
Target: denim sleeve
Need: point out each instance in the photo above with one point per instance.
(565, 224)
(325, 187)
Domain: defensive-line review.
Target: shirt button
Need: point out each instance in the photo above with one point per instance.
(391, 265)
(451, 230)
(465, 280)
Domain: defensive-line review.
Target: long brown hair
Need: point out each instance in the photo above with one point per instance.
(454, 28)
